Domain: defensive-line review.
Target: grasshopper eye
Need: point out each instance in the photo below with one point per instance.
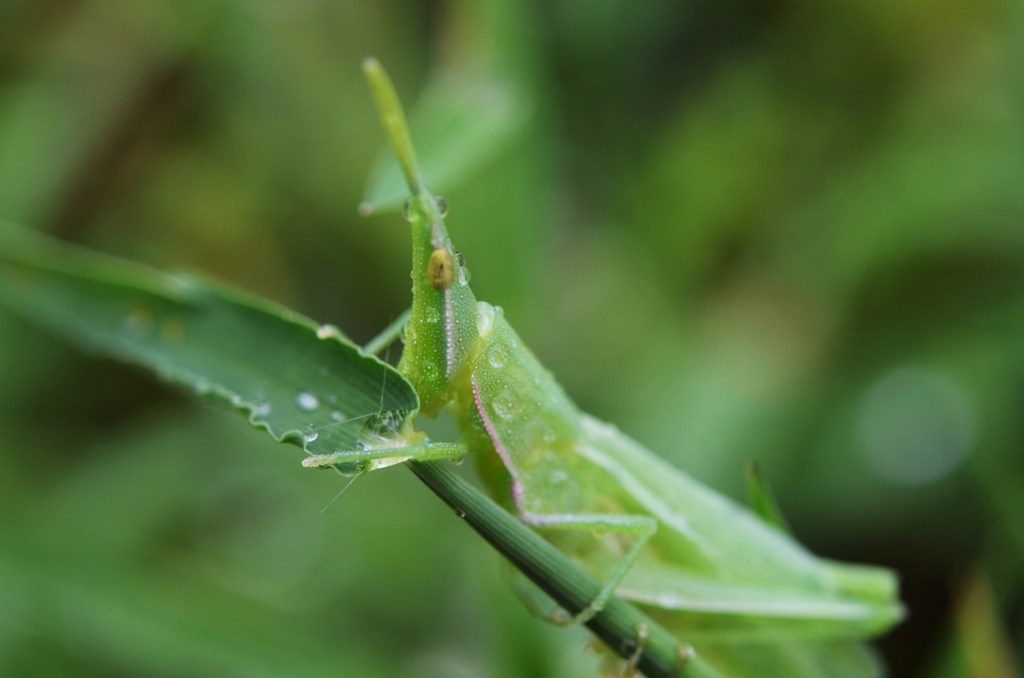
(441, 269)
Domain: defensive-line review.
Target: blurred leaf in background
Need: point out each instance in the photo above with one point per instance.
(790, 233)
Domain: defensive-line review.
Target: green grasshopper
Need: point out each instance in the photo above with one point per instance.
(730, 582)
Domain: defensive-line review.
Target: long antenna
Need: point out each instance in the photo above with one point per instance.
(393, 120)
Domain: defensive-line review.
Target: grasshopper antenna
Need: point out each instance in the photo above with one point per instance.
(393, 120)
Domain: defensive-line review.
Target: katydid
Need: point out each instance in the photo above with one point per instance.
(727, 581)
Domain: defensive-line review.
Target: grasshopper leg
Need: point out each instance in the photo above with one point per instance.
(388, 334)
(536, 602)
(634, 659)
(642, 526)
(372, 458)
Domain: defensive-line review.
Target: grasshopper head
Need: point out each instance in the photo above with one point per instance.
(442, 325)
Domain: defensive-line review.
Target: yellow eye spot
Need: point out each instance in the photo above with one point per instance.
(441, 269)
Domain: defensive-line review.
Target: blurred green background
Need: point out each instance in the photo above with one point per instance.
(790, 232)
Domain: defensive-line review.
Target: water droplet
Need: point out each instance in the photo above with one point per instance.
(484, 317)
(309, 434)
(558, 477)
(442, 206)
(460, 513)
(361, 446)
(337, 416)
(497, 357)
(433, 315)
(307, 402)
(549, 436)
(462, 275)
(236, 400)
(407, 208)
(262, 409)
(505, 405)
(328, 331)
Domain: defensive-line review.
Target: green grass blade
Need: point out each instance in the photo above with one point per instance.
(303, 384)
(570, 586)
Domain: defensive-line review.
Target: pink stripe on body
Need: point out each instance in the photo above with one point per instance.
(449, 335)
(517, 487)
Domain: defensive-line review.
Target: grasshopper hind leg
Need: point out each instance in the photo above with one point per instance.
(643, 527)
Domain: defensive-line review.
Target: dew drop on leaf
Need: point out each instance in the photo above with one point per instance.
(328, 331)
(307, 402)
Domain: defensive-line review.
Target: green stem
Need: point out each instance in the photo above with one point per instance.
(572, 588)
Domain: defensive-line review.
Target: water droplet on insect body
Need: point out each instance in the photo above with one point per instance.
(442, 206)
(497, 357)
(433, 315)
(505, 405)
(307, 402)
(666, 600)
(484, 317)
(557, 477)
(429, 370)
